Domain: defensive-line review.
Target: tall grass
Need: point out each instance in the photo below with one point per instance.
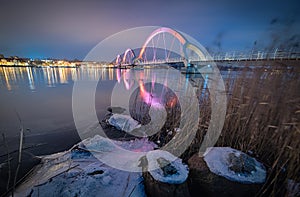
(262, 120)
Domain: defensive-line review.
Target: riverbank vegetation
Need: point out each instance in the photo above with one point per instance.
(262, 120)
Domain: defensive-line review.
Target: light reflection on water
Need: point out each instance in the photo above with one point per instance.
(13, 77)
(43, 95)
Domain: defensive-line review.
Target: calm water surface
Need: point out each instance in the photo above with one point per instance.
(43, 97)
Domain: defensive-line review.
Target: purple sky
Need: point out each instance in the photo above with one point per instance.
(71, 28)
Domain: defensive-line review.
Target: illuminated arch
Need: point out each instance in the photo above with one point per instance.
(195, 49)
(176, 34)
(179, 37)
(118, 60)
(132, 55)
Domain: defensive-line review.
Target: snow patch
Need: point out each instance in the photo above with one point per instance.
(166, 168)
(234, 165)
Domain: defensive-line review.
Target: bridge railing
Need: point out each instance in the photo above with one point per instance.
(162, 61)
(236, 56)
(232, 56)
(258, 55)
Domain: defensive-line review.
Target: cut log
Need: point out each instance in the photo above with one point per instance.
(225, 172)
(167, 175)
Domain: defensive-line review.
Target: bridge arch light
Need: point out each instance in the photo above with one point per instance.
(181, 38)
(132, 55)
(176, 34)
(118, 59)
(195, 49)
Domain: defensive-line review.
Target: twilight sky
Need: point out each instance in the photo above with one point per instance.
(71, 28)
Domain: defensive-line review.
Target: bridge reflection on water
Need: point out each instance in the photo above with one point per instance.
(43, 96)
(33, 77)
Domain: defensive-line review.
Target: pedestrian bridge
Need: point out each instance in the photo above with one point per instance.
(163, 46)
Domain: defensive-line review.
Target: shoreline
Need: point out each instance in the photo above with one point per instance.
(33, 147)
(225, 61)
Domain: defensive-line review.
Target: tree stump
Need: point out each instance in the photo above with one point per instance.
(162, 188)
(203, 182)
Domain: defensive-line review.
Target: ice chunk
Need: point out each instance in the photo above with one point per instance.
(123, 122)
(123, 155)
(102, 144)
(78, 173)
(165, 167)
(98, 144)
(234, 165)
(137, 145)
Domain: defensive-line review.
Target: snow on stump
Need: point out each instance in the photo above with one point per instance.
(123, 122)
(164, 175)
(224, 171)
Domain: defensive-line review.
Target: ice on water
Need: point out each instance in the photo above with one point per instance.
(123, 122)
(77, 172)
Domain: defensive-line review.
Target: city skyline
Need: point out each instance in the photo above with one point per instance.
(70, 29)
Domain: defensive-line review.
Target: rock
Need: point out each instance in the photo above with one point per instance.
(202, 181)
(116, 110)
(167, 176)
(166, 167)
(242, 164)
(109, 109)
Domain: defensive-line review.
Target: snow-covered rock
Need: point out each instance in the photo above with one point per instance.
(78, 172)
(123, 122)
(234, 165)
